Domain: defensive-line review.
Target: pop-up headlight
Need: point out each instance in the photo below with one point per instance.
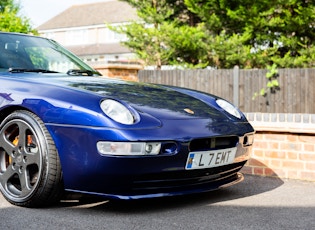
(117, 111)
(228, 107)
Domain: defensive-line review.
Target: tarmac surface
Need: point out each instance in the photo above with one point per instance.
(256, 203)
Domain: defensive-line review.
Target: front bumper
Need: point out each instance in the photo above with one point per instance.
(130, 177)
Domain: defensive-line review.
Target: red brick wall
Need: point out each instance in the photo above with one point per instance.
(287, 152)
(125, 72)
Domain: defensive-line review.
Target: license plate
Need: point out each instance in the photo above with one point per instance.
(209, 159)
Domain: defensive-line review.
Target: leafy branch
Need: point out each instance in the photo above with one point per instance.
(272, 85)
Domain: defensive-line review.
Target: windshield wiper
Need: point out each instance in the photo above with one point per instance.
(22, 70)
(79, 72)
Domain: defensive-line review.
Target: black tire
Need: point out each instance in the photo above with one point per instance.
(30, 171)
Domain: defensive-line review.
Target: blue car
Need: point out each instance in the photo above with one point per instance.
(66, 128)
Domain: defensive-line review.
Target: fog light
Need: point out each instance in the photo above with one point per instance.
(128, 148)
(152, 148)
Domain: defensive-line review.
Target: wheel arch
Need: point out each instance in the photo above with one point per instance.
(10, 109)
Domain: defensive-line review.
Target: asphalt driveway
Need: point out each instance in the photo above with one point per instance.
(256, 203)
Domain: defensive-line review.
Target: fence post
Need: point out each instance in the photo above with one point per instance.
(236, 78)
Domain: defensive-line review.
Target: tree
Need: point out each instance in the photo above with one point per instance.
(10, 21)
(223, 33)
(6, 3)
(277, 31)
(160, 38)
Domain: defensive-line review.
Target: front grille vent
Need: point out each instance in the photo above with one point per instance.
(206, 144)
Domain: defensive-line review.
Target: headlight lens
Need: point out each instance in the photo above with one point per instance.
(128, 148)
(228, 107)
(117, 111)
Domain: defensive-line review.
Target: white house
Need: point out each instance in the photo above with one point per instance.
(82, 29)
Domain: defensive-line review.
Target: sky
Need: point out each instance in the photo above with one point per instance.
(40, 11)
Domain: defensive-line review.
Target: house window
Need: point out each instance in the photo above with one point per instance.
(76, 37)
(113, 37)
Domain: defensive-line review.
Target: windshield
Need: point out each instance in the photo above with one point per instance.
(22, 53)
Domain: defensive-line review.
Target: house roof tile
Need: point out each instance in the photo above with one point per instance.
(96, 49)
(91, 14)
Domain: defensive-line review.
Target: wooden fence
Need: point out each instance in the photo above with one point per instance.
(296, 93)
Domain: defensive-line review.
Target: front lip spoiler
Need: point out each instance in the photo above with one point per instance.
(239, 178)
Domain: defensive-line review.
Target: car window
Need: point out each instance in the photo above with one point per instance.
(50, 59)
(23, 53)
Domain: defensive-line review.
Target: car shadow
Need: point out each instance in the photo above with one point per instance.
(252, 185)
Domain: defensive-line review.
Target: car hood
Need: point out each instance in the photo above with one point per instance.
(159, 101)
(162, 102)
